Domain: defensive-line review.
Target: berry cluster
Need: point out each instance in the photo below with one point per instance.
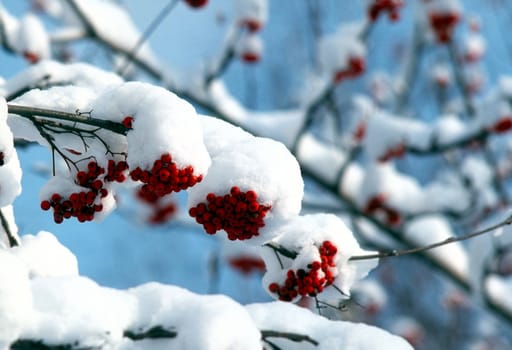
(502, 125)
(310, 281)
(377, 204)
(442, 23)
(247, 264)
(83, 205)
(162, 213)
(395, 152)
(237, 213)
(164, 177)
(381, 6)
(356, 67)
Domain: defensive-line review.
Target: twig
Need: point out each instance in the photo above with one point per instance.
(507, 221)
(459, 78)
(13, 242)
(149, 30)
(295, 337)
(157, 332)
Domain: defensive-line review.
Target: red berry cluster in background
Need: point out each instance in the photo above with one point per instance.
(83, 205)
(253, 25)
(247, 264)
(443, 23)
(310, 281)
(250, 57)
(381, 6)
(504, 124)
(196, 3)
(164, 177)
(356, 67)
(238, 213)
(31, 57)
(395, 152)
(377, 204)
(162, 213)
(359, 132)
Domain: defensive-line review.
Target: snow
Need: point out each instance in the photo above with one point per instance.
(113, 24)
(202, 322)
(44, 256)
(309, 150)
(49, 72)
(336, 49)
(430, 229)
(497, 289)
(170, 122)
(385, 132)
(332, 335)
(10, 171)
(32, 38)
(15, 298)
(255, 10)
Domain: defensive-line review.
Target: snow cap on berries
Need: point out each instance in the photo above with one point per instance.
(316, 239)
(32, 40)
(162, 123)
(262, 172)
(338, 48)
(219, 135)
(249, 48)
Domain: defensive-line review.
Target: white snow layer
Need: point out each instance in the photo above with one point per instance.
(331, 335)
(10, 170)
(49, 302)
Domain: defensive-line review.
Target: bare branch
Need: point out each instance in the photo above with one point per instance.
(26, 111)
(507, 221)
(13, 242)
(295, 337)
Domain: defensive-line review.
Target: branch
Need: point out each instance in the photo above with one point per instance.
(13, 242)
(154, 72)
(507, 221)
(149, 30)
(295, 337)
(30, 112)
(157, 332)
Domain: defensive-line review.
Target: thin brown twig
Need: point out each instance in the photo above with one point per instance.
(13, 242)
(507, 221)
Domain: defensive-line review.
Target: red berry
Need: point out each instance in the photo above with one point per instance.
(45, 205)
(502, 125)
(196, 3)
(127, 122)
(250, 57)
(56, 198)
